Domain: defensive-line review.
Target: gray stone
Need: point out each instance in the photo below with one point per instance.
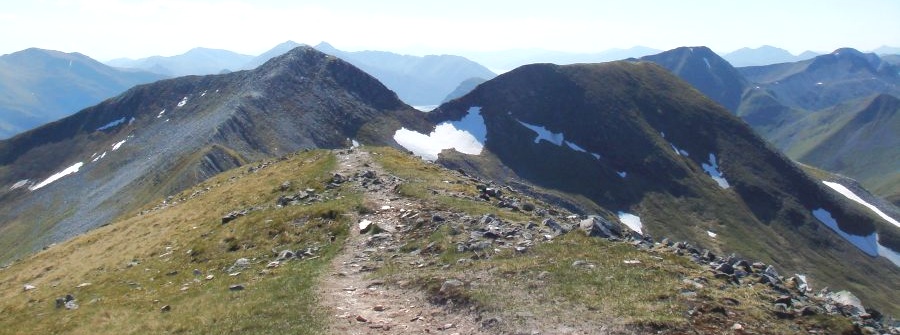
(239, 265)
(451, 285)
(725, 268)
(285, 255)
(596, 226)
(237, 287)
(770, 270)
(555, 226)
(338, 178)
(165, 308)
(285, 186)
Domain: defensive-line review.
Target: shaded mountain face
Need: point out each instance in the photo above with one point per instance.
(764, 55)
(80, 172)
(197, 61)
(417, 80)
(826, 80)
(631, 141)
(706, 71)
(38, 86)
(464, 88)
(856, 138)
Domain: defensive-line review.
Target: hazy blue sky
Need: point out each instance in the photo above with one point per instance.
(106, 29)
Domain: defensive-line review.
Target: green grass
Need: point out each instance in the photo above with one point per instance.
(170, 243)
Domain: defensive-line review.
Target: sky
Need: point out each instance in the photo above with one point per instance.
(108, 29)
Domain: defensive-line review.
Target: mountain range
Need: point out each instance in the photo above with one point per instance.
(642, 150)
(38, 86)
(765, 55)
(795, 106)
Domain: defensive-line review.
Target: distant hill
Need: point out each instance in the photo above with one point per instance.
(464, 88)
(764, 55)
(509, 59)
(278, 50)
(417, 80)
(856, 138)
(886, 50)
(197, 61)
(38, 86)
(706, 71)
(826, 80)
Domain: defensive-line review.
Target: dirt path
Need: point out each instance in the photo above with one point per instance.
(357, 302)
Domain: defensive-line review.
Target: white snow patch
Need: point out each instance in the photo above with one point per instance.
(544, 134)
(575, 147)
(161, 114)
(679, 151)
(99, 157)
(622, 174)
(891, 255)
(867, 244)
(556, 138)
(69, 170)
(19, 184)
(466, 136)
(203, 93)
(713, 170)
(711, 234)
(632, 221)
(112, 124)
(182, 102)
(354, 143)
(132, 120)
(852, 196)
(819, 84)
(117, 145)
(597, 156)
(707, 63)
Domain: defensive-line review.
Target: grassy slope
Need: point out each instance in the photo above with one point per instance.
(542, 284)
(186, 236)
(166, 244)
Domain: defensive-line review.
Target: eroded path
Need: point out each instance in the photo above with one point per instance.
(358, 302)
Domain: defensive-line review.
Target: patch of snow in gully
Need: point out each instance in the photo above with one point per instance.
(852, 196)
(867, 244)
(713, 170)
(112, 124)
(466, 136)
(69, 170)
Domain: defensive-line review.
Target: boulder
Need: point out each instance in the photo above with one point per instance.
(596, 226)
(239, 265)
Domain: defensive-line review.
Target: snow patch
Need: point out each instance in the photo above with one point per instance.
(891, 255)
(679, 151)
(161, 114)
(556, 138)
(707, 63)
(182, 102)
(69, 170)
(819, 84)
(19, 184)
(203, 93)
(852, 196)
(544, 134)
(99, 157)
(112, 124)
(867, 244)
(117, 145)
(354, 143)
(622, 174)
(632, 221)
(466, 136)
(711, 234)
(713, 170)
